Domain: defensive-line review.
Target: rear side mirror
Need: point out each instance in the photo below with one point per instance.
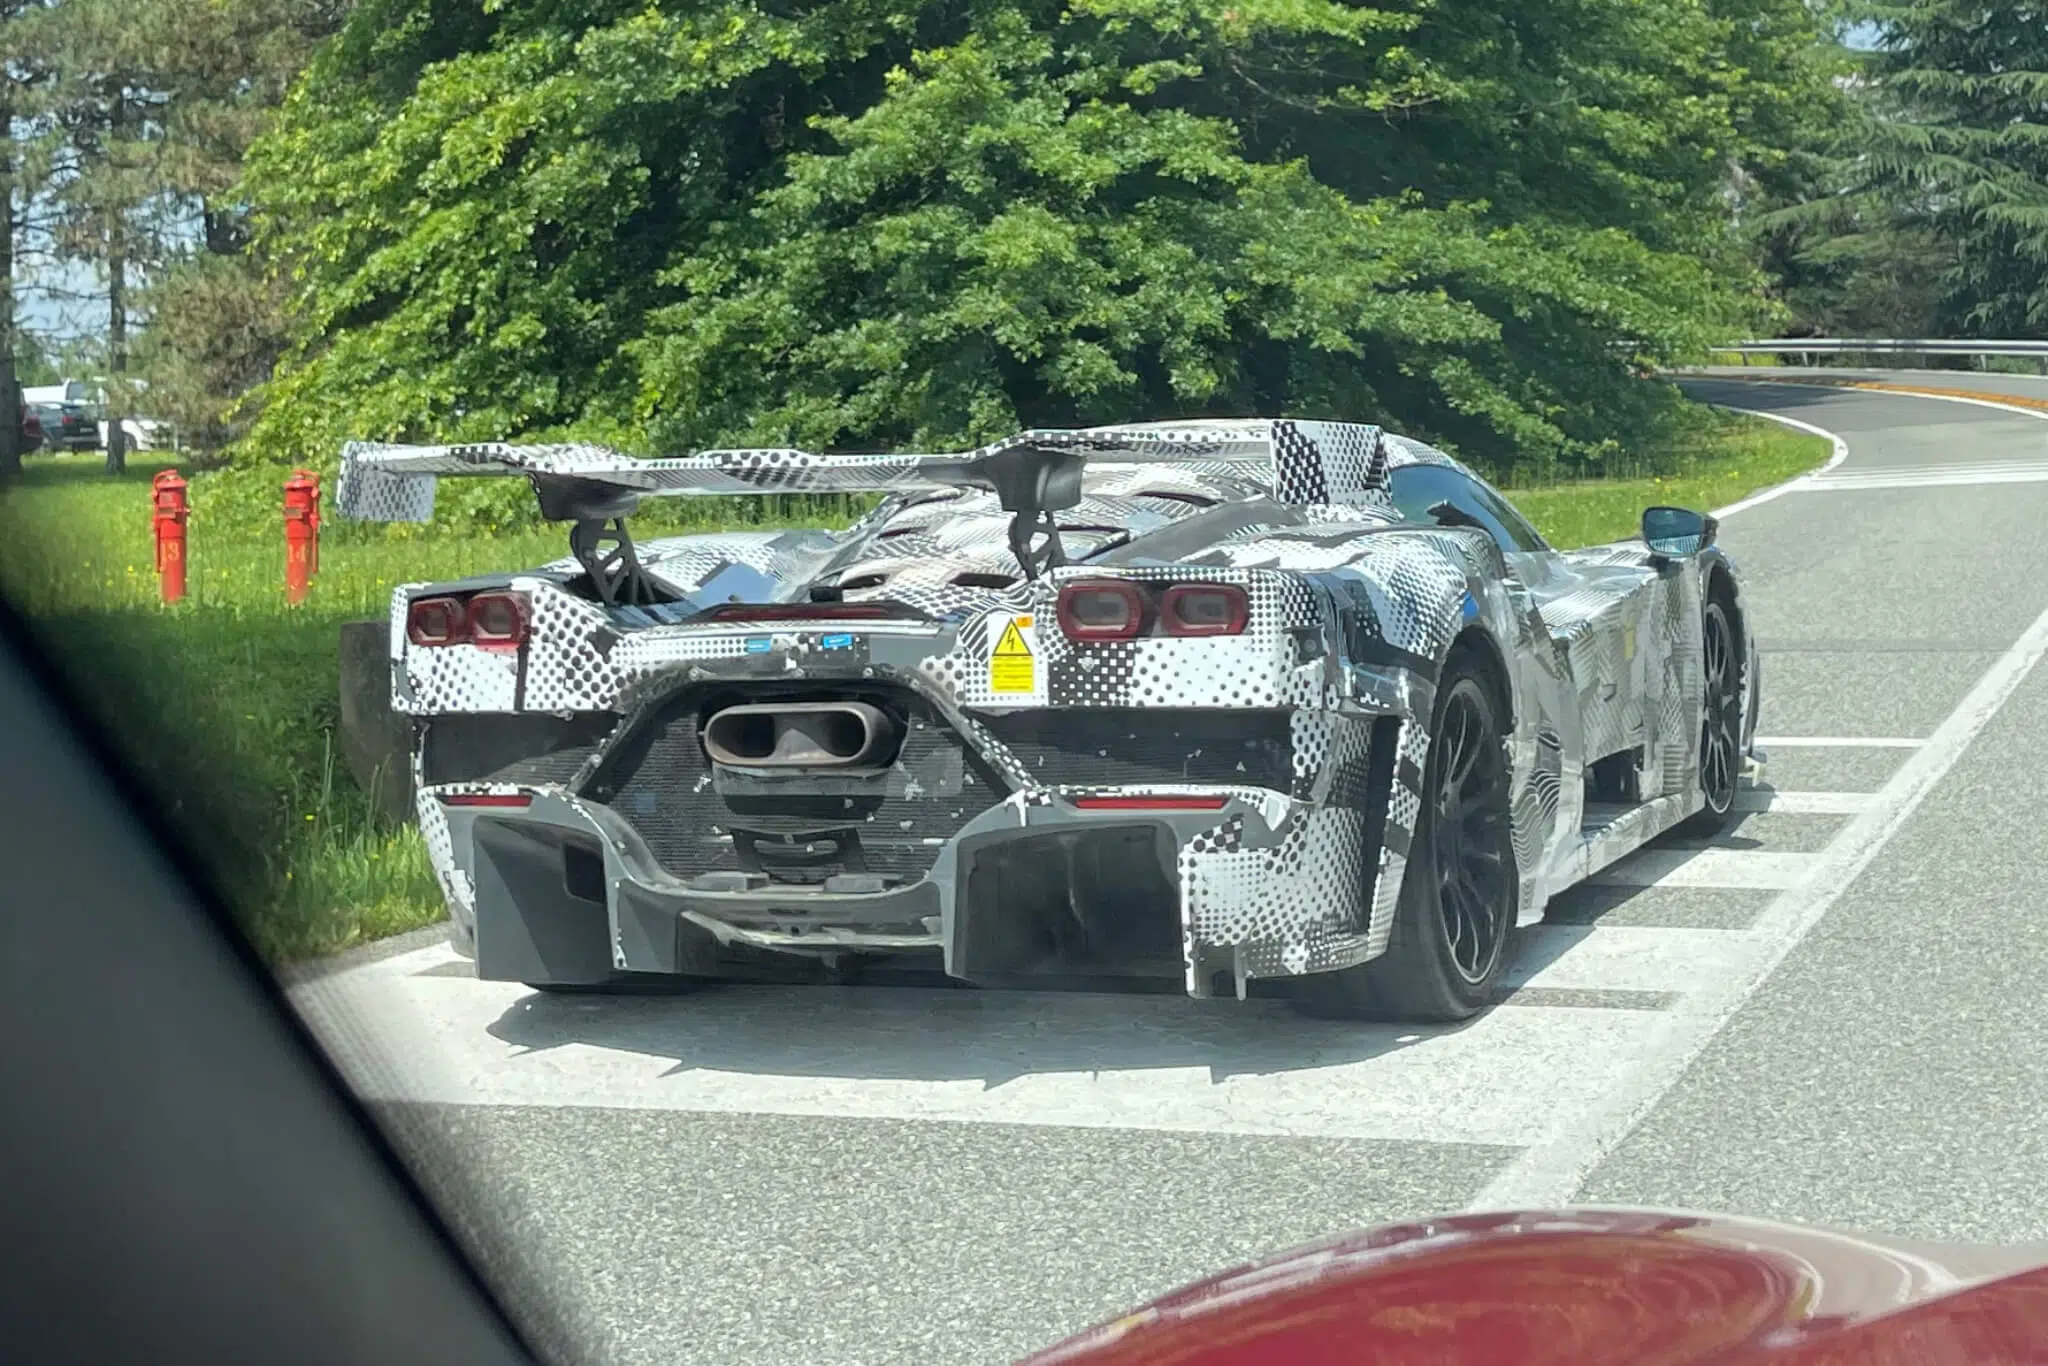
(1677, 532)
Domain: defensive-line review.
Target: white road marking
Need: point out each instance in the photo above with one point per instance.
(1752, 800)
(1552, 1171)
(1932, 476)
(1836, 742)
(1081, 1060)
(1837, 456)
(1623, 957)
(1661, 867)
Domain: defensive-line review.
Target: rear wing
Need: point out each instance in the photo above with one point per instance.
(389, 483)
(1034, 474)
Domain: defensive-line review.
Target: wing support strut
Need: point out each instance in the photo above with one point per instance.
(598, 538)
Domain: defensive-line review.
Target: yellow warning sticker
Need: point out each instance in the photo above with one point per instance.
(1012, 668)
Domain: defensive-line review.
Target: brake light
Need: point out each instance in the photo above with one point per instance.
(1158, 802)
(511, 800)
(1122, 609)
(498, 621)
(1204, 609)
(1101, 609)
(436, 621)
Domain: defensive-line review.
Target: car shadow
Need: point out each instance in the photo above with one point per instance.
(911, 1033)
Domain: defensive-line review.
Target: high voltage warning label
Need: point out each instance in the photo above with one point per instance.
(1011, 668)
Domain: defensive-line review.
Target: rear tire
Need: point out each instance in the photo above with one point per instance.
(1720, 747)
(1458, 898)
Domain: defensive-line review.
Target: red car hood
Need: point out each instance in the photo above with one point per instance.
(1596, 1287)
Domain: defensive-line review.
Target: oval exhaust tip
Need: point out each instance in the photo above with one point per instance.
(800, 735)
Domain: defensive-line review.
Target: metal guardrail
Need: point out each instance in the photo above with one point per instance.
(1888, 346)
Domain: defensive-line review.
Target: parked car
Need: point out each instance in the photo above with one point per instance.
(31, 431)
(68, 426)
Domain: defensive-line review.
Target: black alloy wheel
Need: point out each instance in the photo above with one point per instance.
(1461, 887)
(1720, 751)
(1471, 843)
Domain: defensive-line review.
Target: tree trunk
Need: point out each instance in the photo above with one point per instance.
(116, 405)
(10, 385)
(115, 408)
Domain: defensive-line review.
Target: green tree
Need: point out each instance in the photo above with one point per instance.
(855, 223)
(20, 75)
(216, 313)
(1934, 217)
(100, 122)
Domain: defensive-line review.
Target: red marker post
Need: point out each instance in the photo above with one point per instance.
(301, 533)
(169, 511)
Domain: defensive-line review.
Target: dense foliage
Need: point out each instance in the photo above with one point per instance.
(1928, 211)
(856, 223)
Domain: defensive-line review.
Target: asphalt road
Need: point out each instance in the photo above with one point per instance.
(1828, 1015)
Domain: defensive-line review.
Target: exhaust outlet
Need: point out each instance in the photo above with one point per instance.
(801, 735)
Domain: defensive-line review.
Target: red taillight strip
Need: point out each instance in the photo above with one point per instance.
(1157, 802)
(510, 800)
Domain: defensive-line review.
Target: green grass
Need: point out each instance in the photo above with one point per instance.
(1730, 458)
(226, 704)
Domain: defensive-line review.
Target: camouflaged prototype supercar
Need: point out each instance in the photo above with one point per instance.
(1219, 701)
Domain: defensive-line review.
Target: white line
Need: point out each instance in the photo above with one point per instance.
(1739, 868)
(1754, 800)
(1836, 742)
(1551, 1173)
(993, 1057)
(1841, 453)
(1858, 483)
(1961, 467)
(1624, 957)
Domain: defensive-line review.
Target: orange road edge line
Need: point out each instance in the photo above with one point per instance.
(1929, 390)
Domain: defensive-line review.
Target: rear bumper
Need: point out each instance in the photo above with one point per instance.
(565, 891)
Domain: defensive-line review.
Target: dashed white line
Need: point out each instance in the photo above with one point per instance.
(1623, 957)
(983, 1057)
(1837, 742)
(1930, 477)
(1552, 1171)
(1755, 800)
(1734, 868)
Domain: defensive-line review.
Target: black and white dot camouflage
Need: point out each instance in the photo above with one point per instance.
(1354, 607)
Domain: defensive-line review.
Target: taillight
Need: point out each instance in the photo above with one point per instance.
(498, 621)
(1204, 609)
(1101, 609)
(1154, 802)
(436, 621)
(509, 801)
(1119, 609)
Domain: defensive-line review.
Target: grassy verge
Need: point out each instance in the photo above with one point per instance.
(227, 703)
(1731, 457)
